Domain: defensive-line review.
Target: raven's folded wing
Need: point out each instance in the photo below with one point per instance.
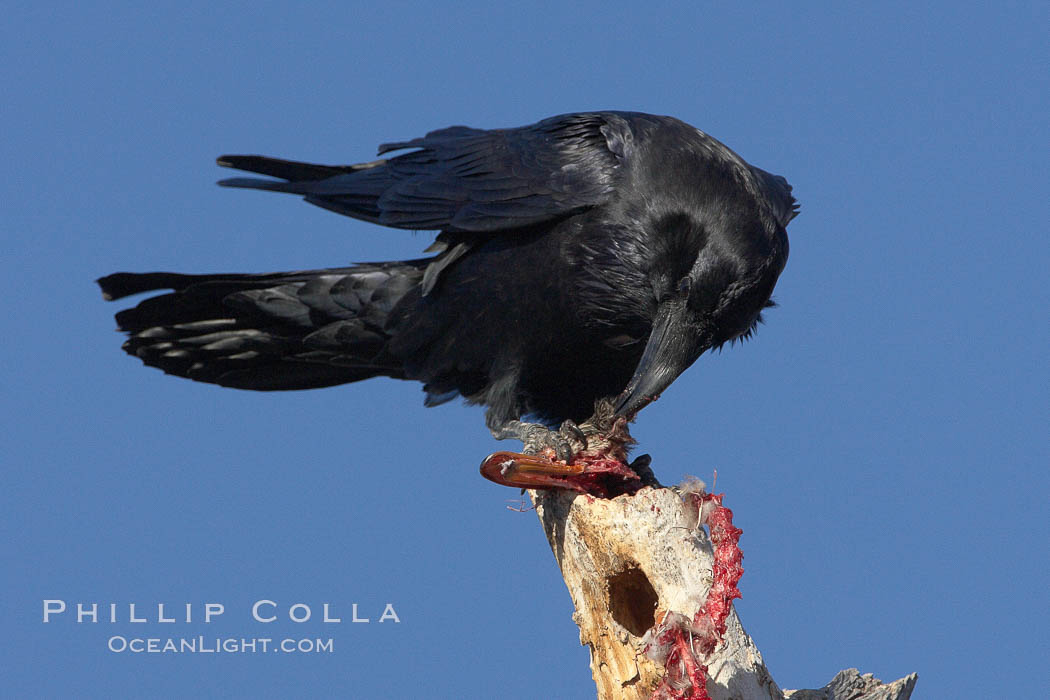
(464, 179)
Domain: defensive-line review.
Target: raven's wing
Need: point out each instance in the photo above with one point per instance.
(464, 179)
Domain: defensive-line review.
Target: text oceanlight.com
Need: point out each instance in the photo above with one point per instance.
(218, 645)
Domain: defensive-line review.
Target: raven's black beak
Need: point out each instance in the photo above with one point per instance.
(672, 347)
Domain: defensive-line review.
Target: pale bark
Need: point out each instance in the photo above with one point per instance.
(850, 685)
(628, 560)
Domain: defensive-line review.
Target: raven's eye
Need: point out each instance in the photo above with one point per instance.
(684, 284)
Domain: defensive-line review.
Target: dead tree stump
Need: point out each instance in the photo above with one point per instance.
(631, 560)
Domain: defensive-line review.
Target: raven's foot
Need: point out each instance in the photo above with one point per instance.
(538, 439)
(592, 474)
(590, 458)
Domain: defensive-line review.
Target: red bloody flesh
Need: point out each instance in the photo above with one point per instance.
(594, 474)
(711, 617)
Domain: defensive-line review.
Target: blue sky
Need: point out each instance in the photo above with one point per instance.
(882, 441)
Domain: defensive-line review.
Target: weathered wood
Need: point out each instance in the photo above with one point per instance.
(851, 685)
(627, 561)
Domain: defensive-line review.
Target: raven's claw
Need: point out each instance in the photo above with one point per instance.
(590, 458)
(538, 438)
(570, 428)
(564, 442)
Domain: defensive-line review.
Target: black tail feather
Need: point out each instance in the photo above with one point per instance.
(268, 331)
(123, 284)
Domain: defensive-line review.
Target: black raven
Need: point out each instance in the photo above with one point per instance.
(586, 256)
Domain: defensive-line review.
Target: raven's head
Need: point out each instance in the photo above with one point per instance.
(716, 299)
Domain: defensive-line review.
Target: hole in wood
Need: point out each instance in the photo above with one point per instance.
(632, 601)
